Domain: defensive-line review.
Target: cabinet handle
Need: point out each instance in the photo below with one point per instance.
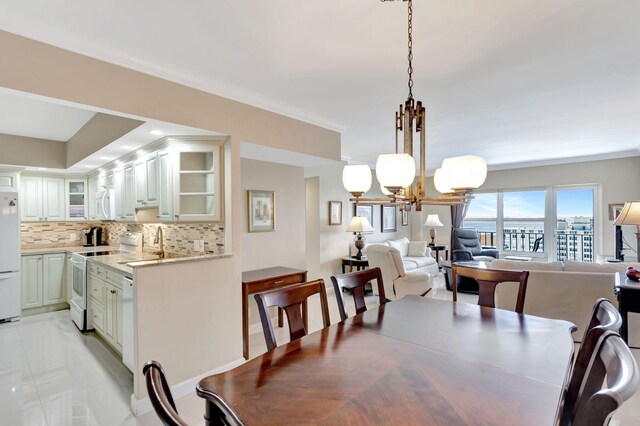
(278, 282)
(158, 216)
(113, 291)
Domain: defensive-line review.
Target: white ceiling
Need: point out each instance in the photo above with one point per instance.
(515, 81)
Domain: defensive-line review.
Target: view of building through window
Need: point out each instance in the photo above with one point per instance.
(515, 221)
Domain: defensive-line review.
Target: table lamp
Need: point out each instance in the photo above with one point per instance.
(359, 225)
(433, 220)
(630, 215)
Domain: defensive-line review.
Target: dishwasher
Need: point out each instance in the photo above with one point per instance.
(127, 323)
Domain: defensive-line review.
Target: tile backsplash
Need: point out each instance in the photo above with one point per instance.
(178, 237)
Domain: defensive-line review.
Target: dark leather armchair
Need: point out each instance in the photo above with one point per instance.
(466, 246)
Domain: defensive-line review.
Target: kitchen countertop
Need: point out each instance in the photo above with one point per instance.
(69, 249)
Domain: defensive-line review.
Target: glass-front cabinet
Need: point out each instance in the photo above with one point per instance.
(199, 186)
(76, 199)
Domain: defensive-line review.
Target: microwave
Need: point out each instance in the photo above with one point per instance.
(105, 204)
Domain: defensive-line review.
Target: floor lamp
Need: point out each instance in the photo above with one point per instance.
(630, 215)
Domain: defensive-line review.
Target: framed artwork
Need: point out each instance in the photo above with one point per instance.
(364, 211)
(261, 211)
(389, 222)
(335, 213)
(615, 210)
(405, 218)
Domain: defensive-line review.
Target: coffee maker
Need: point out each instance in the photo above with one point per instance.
(92, 236)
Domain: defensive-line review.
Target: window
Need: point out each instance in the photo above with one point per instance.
(522, 221)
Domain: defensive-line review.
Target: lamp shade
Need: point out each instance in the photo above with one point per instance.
(356, 178)
(433, 220)
(359, 224)
(630, 214)
(441, 182)
(384, 190)
(395, 170)
(467, 171)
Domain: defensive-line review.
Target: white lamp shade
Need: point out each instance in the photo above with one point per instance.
(630, 214)
(356, 178)
(359, 224)
(467, 171)
(395, 170)
(384, 190)
(441, 182)
(433, 220)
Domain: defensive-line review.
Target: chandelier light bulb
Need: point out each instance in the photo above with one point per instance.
(395, 170)
(441, 182)
(356, 178)
(467, 171)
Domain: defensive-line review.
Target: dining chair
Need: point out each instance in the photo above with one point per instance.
(160, 394)
(612, 365)
(218, 412)
(291, 299)
(355, 282)
(487, 280)
(604, 317)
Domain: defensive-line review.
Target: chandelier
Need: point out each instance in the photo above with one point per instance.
(456, 179)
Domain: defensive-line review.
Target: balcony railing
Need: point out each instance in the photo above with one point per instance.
(570, 245)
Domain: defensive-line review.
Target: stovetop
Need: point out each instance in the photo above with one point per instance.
(99, 253)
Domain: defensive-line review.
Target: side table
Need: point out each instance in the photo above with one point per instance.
(438, 249)
(352, 262)
(628, 292)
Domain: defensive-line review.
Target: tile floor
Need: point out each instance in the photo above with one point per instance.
(50, 374)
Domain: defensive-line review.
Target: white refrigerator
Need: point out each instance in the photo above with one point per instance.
(9, 256)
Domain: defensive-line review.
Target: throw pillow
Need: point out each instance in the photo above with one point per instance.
(417, 249)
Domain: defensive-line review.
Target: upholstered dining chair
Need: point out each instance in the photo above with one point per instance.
(291, 299)
(611, 360)
(487, 280)
(604, 317)
(355, 282)
(160, 395)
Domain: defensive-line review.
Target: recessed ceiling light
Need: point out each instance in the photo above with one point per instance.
(126, 147)
(106, 158)
(157, 132)
(90, 167)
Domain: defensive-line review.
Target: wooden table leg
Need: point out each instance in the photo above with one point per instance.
(280, 317)
(305, 316)
(344, 270)
(245, 323)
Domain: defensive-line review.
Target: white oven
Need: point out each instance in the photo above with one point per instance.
(79, 291)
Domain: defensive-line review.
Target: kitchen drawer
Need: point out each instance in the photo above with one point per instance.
(113, 278)
(96, 316)
(96, 290)
(275, 283)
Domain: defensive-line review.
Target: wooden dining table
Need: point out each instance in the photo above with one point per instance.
(412, 361)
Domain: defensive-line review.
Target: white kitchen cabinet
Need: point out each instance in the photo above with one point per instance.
(199, 184)
(31, 281)
(113, 315)
(165, 186)
(93, 191)
(42, 199)
(69, 277)
(146, 181)
(76, 199)
(118, 193)
(105, 304)
(8, 181)
(53, 284)
(128, 196)
(42, 280)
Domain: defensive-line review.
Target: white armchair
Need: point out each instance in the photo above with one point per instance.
(397, 281)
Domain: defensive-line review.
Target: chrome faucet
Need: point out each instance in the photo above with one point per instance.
(159, 239)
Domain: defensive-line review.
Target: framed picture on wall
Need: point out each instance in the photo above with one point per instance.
(364, 211)
(261, 210)
(389, 221)
(335, 213)
(405, 218)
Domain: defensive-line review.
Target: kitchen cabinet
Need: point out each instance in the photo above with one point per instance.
(199, 184)
(128, 197)
(165, 186)
(76, 199)
(105, 304)
(8, 181)
(42, 199)
(69, 277)
(146, 181)
(42, 280)
(93, 191)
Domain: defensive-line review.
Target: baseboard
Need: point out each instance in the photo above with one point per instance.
(45, 309)
(141, 406)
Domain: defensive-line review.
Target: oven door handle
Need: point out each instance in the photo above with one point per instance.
(77, 261)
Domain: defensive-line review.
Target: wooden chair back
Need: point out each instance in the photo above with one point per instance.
(487, 280)
(355, 282)
(612, 362)
(218, 412)
(160, 394)
(292, 299)
(604, 317)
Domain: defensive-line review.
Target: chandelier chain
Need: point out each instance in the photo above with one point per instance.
(410, 46)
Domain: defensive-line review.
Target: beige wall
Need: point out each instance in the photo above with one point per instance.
(618, 180)
(32, 152)
(286, 245)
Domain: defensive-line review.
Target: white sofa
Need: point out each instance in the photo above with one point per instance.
(565, 291)
(402, 274)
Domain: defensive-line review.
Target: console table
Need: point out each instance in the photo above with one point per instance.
(438, 249)
(628, 292)
(262, 280)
